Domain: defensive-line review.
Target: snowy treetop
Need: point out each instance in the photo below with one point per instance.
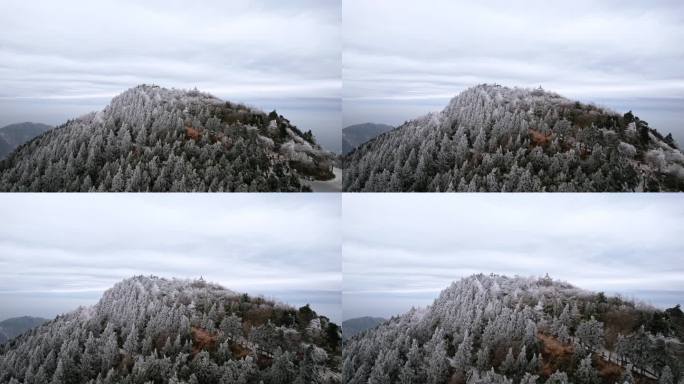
(499, 329)
(151, 329)
(491, 138)
(151, 138)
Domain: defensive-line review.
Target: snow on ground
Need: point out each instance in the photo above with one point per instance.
(333, 185)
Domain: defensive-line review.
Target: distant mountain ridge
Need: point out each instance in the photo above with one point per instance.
(151, 138)
(13, 327)
(355, 135)
(352, 327)
(492, 138)
(14, 135)
(502, 330)
(150, 329)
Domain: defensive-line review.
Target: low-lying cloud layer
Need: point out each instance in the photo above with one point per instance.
(405, 58)
(63, 59)
(61, 251)
(400, 250)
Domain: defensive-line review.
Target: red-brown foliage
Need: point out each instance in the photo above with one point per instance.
(540, 138)
(202, 339)
(192, 133)
(555, 355)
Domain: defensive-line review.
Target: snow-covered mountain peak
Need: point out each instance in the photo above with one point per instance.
(492, 138)
(151, 138)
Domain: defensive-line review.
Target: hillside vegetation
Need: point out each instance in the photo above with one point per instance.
(11, 328)
(155, 139)
(352, 327)
(355, 135)
(493, 138)
(14, 135)
(154, 330)
(496, 329)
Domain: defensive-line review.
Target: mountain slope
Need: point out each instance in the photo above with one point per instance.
(14, 135)
(495, 329)
(5, 148)
(155, 139)
(355, 135)
(357, 325)
(153, 330)
(493, 138)
(11, 328)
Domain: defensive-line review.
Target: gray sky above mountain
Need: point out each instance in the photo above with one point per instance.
(405, 58)
(61, 60)
(401, 250)
(61, 251)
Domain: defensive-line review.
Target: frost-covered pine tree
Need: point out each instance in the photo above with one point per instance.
(155, 139)
(506, 324)
(493, 138)
(590, 334)
(148, 329)
(558, 377)
(586, 373)
(666, 376)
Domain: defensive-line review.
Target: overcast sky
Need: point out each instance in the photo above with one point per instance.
(63, 59)
(403, 58)
(61, 251)
(401, 250)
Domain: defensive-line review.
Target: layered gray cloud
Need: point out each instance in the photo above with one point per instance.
(60, 251)
(400, 250)
(68, 58)
(404, 58)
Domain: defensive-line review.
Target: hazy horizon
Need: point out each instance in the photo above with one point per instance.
(401, 250)
(58, 252)
(321, 115)
(323, 302)
(423, 54)
(665, 114)
(397, 303)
